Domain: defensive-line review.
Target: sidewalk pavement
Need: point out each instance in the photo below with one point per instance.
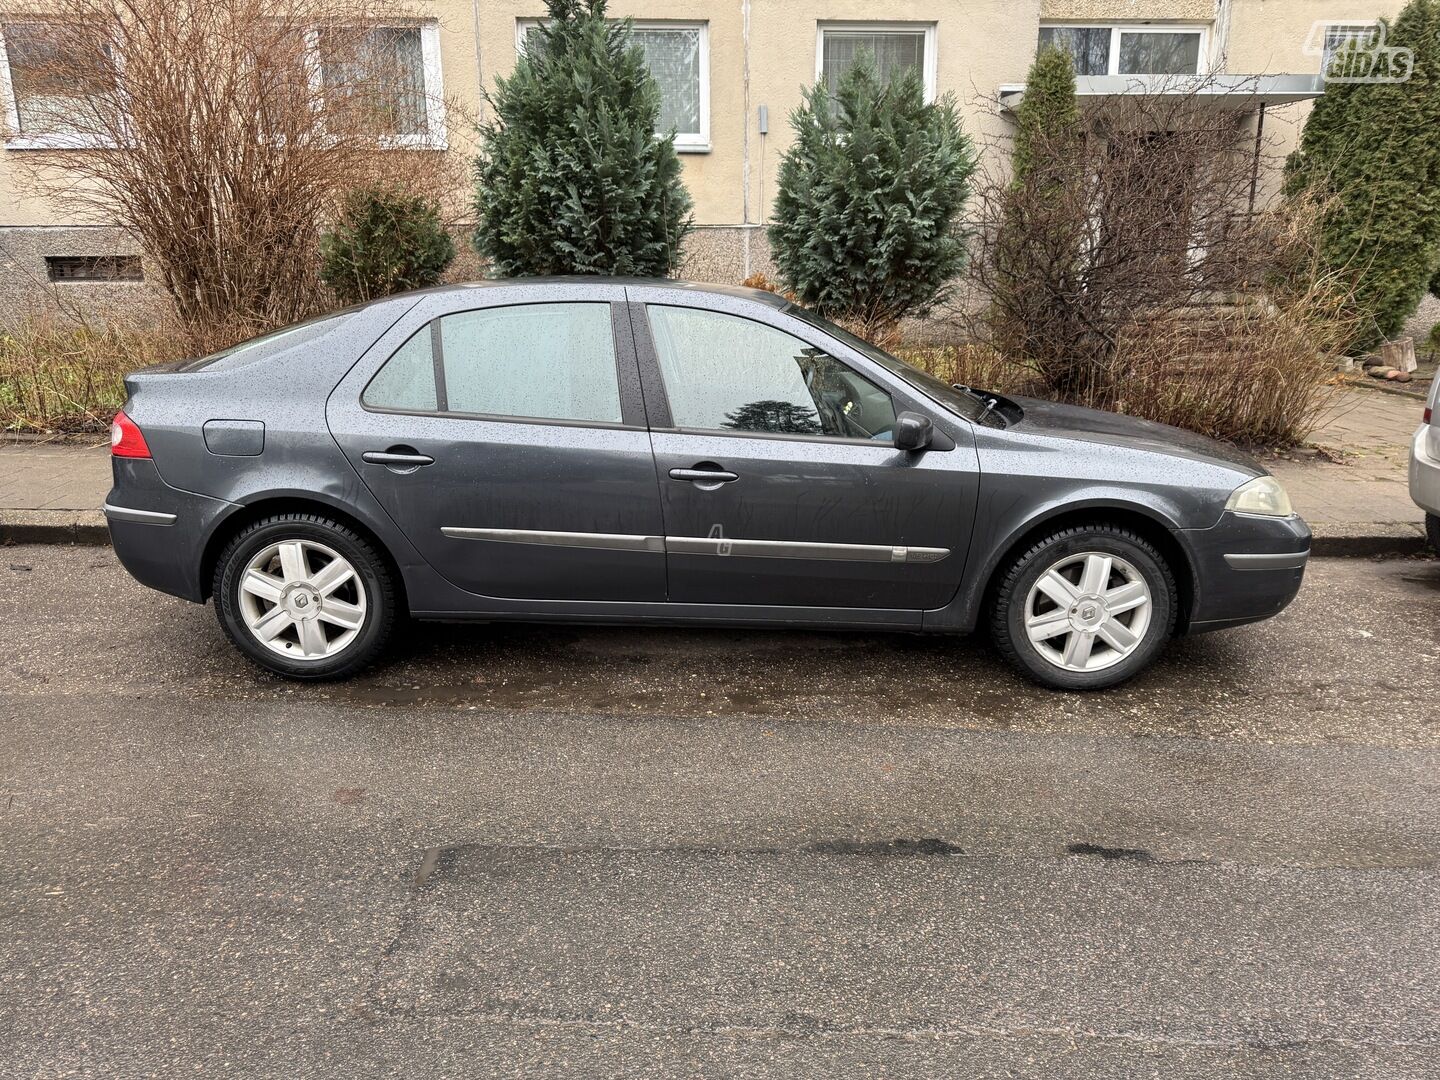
(1350, 484)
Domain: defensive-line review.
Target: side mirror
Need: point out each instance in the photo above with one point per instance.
(913, 432)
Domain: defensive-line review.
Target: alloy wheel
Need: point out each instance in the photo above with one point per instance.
(1088, 611)
(302, 600)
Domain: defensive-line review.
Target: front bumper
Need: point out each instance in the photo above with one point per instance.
(158, 531)
(1424, 472)
(1247, 568)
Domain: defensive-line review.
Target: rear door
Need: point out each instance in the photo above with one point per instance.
(502, 429)
(780, 483)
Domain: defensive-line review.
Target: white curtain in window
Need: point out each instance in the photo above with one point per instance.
(383, 74)
(891, 51)
(673, 56)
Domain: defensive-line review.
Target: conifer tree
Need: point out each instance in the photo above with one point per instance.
(1370, 152)
(571, 177)
(870, 193)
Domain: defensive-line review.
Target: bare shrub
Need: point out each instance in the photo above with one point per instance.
(222, 135)
(1129, 270)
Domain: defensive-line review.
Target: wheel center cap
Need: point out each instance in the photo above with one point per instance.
(1088, 612)
(302, 602)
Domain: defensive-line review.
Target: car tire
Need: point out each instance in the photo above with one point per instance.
(277, 597)
(1082, 644)
(1432, 531)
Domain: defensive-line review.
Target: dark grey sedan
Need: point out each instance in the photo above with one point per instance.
(634, 451)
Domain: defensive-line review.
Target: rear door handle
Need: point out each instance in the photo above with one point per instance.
(393, 460)
(704, 476)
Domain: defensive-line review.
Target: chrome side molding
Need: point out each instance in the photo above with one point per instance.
(707, 545)
(794, 549)
(137, 517)
(604, 541)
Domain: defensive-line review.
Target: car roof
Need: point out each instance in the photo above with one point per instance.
(761, 296)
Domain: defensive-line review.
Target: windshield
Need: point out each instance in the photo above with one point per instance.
(287, 338)
(964, 403)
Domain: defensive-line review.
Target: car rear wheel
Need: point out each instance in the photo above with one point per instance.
(1432, 530)
(304, 596)
(1084, 608)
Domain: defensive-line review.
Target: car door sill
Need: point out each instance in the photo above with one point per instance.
(615, 611)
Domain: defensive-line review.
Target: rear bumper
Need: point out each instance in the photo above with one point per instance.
(1424, 472)
(158, 531)
(1247, 568)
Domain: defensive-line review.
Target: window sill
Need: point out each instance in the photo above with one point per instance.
(692, 148)
(412, 142)
(57, 142)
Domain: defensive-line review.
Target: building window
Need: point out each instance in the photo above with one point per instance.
(1129, 50)
(385, 79)
(46, 99)
(894, 47)
(678, 55)
(93, 268)
(1336, 57)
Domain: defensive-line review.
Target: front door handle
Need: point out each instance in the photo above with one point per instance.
(704, 476)
(397, 458)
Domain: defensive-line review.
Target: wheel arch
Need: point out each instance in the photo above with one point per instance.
(270, 506)
(1144, 521)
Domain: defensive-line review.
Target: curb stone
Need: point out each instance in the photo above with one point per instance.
(53, 527)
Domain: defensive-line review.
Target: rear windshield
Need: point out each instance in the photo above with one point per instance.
(291, 336)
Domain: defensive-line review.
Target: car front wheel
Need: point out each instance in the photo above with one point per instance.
(1432, 531)
(304, 597)
(1084, 608)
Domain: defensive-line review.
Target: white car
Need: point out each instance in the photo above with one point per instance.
(1425, 465)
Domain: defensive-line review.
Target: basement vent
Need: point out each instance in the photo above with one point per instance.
(93, 267)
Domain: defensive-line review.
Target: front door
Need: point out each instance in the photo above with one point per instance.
(780, 483)
(507, 439)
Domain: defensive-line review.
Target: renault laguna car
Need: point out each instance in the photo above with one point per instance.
(610, 451)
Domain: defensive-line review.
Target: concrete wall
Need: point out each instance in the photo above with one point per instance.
(761, 52)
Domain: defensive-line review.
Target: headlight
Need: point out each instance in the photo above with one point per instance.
(1263, 495)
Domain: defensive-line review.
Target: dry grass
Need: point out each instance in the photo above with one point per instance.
(56, 378)
(1247, 375)
(977, 366)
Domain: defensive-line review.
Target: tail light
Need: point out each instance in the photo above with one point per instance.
(127, 440)
(1434, 402)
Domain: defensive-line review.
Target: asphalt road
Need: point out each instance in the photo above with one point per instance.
(583, 853)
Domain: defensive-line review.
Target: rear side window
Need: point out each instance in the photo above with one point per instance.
(532, 361)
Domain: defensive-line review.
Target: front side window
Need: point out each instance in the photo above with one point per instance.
(726, 373)
(677, 55)
(893, 50)
(531, 361)
(1128, 50)
(382, 80)
(51, 95)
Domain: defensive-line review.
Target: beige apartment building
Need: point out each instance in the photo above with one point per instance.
(730, 73)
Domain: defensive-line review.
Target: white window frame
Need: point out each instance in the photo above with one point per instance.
(930, 67)
(686, 142)
(1116, 29)
(14, 139)
(435, 136)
